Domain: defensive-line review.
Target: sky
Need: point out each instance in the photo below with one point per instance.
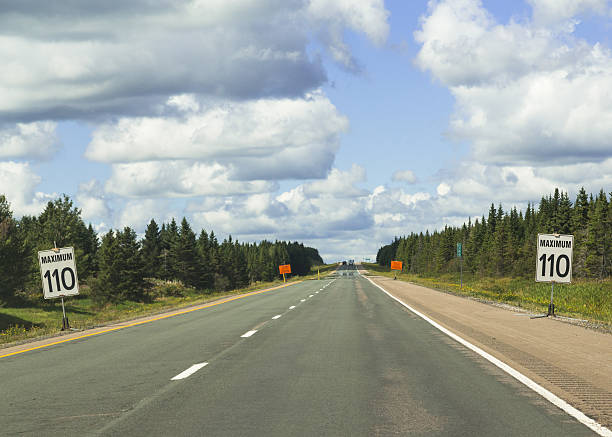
(337, 123)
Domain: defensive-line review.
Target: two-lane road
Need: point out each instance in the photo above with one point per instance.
(328, 357)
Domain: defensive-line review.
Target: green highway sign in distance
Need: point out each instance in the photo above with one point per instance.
(459, 250)
(58, 272)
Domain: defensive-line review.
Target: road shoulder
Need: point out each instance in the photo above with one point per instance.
(572, 362)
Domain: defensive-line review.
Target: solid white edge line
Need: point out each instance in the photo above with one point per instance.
(248, 333)
(552, 398)
(278, 316)
(185, 373)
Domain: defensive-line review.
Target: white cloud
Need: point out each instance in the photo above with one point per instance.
(338, 183)
(179, 179)
(443, 189)
(18, 183)
(138, 213)
(92, 201)
(37, 140)
(525, 94)
(549, 12)
(331, 17)
(67, 62)
(404, 176)
(184, 102)
(263, 139)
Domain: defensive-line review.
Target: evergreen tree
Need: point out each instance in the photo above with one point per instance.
(187, 256)
(505, 244)
(169, 236)
(206, 267)
(131, 284)
(151, 251)
(14, 261)
(105, 286)
(596, 246)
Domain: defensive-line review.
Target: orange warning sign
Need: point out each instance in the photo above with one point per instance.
(396, 265)
(285, 268)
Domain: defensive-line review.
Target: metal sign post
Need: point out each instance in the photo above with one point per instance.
(551, 305)
(284, 268)
(460, 256)
(65, 322)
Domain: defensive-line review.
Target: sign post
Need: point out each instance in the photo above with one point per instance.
(284, 268)
(396, 265)
(554, 262)
(460, 256)
(59, 276)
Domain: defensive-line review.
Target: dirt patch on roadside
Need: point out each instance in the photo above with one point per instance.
(573, 362)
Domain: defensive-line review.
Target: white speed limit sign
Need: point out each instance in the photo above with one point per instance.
(58, 272)
(554, 263)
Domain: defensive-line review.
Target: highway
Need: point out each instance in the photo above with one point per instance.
(331, 357)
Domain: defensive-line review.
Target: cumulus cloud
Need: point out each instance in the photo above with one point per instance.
(339, 219)
(339, 183)
(311, 211)
(262, 139)
(550, 12)
(443, 189)
(404, 176)
(179, 179)
(91, 199)
(525, 94)
(67, 62)
(331, 17)
(138, 213)
(37, 140)
(18, 183)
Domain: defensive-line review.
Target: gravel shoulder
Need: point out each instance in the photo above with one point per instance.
(571, 361)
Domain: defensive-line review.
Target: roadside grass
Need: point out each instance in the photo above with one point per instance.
(36, 318)
(585, 299)
(323, 269)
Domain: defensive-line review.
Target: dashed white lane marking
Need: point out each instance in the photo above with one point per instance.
(317, 292)
(311, 295)
(185, 373)
(291, 307)
(278, 316)
(549, 396)
(302, 300)
(249, 333)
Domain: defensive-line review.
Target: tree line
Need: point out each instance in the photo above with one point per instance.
(504, 242)
(119, 265)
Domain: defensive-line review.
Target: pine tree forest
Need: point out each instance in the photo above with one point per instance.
(504, 242)
(119, 266)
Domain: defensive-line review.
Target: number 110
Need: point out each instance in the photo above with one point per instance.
(57, 277)
(555, 267)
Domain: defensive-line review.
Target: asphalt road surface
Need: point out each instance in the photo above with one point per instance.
(331, 357)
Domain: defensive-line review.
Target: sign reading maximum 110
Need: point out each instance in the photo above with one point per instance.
(554, 263)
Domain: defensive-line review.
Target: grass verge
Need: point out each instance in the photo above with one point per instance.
(44, 318)
(585, 299)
